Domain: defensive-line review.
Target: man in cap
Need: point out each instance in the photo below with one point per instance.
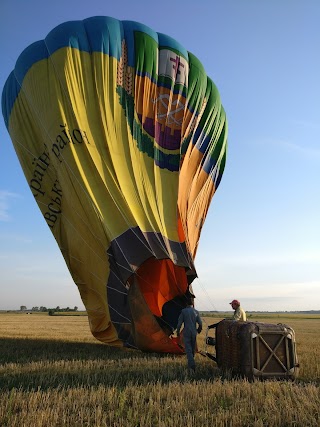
(239, 313)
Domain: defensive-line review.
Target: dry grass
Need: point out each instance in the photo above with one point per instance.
(54, 373)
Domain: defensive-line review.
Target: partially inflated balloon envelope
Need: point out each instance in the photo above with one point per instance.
(122, 139)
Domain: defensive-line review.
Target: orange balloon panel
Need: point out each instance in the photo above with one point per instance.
(122, 139)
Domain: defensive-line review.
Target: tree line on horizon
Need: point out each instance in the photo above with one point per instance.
(45, 309)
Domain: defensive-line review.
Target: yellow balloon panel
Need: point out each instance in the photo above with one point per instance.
(122, 139)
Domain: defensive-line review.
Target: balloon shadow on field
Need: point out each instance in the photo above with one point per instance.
(34, 364)
(22, 350)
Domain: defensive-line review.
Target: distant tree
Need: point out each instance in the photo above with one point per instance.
(75, 308)
(58, 308)
(35, 309)
(23, 307)
(43, 308)
(51, 312)
(68, 309)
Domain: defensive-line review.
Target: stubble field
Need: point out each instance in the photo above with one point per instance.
(54, 373)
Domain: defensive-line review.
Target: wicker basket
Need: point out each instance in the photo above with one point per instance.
(256, 350)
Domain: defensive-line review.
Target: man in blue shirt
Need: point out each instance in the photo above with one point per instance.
(190, 318)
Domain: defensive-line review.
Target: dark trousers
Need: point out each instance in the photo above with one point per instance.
(189, 346)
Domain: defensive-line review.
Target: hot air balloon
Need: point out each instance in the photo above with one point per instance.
(122, 139)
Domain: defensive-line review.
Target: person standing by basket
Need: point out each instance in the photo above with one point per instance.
(192, 325)
(239, 313)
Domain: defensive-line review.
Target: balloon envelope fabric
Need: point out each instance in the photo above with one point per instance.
(122, 139)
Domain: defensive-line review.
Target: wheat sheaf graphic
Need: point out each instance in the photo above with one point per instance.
(125, 72)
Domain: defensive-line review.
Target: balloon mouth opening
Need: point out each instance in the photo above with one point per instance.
(158, 292)
(160, 281)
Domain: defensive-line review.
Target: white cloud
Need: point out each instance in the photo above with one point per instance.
(304, 150)
(14, 237)
(306, 124)
(5, 197)
(209, 261)
(278, 296)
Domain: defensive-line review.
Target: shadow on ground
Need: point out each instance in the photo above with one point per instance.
(22, 350)
(33, 364)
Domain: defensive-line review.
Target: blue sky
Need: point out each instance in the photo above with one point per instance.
(261, 239)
